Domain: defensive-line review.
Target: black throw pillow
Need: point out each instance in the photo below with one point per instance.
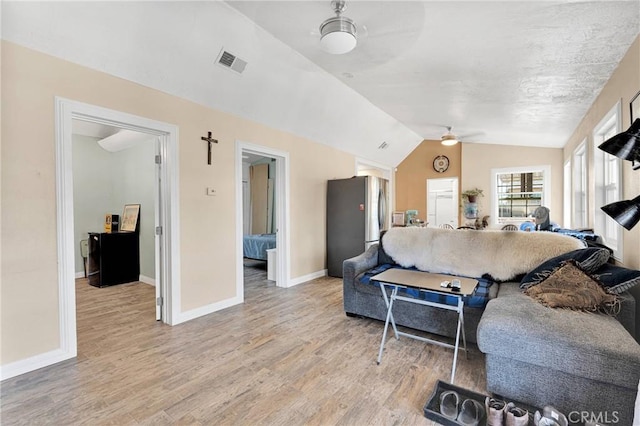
(588, 259)
(616, 278)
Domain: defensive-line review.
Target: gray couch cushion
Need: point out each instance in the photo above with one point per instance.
(590, 345)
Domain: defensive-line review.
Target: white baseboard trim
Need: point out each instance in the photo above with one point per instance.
(208, 309)
(33, 363)
(80, 274)
(308, 277)
(147, 280)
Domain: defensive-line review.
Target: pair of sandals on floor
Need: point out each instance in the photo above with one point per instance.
(498, 412)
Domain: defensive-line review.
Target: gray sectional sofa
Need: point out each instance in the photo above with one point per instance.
(366, 300)
(575, 361)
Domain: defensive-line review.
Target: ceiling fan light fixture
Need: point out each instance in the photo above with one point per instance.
(449, 140)
(338, 34)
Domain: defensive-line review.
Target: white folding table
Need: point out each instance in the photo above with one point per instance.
(395, 279)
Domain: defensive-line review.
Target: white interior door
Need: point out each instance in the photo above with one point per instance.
(158, 241)
(442, 201)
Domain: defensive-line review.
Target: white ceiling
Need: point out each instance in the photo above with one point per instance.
(516, 72)
(509, 72)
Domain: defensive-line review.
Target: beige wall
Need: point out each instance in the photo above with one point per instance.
(479, 159)
(29, 296)
(413, 172)
(623, 85)
(472, 163)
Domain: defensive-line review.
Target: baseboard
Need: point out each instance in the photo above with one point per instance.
(33, 363)
(147, 280)
(207, 309)
(80, 274)
(214, 307)
(308, 277)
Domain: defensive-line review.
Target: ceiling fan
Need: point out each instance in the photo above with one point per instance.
(339, 34)
(450, 139)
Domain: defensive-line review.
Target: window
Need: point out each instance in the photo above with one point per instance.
(607, 182)
(566, 195)
(580, 186)
(519, 194)
(519, 191)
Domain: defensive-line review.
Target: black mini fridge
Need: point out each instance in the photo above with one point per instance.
(114, 258)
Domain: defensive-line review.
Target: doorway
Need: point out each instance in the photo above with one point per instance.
(258, 219)
(442, 202)
(275, 224)
(167, 253)
(113, 168)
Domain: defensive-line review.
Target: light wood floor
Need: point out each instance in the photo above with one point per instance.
(284, 357)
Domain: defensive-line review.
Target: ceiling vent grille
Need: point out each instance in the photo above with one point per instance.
(231, 61)
(383, 145)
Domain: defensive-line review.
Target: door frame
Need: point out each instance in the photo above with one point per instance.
(281, 210)
(65, 111)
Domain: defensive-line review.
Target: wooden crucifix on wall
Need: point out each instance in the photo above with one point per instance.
(209, 141)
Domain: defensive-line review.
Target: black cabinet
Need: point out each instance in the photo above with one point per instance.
(114, 258)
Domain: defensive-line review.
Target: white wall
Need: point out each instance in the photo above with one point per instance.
(92, 190)
(133, 177)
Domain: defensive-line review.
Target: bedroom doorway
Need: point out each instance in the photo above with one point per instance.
(165, 135)
(262, 199)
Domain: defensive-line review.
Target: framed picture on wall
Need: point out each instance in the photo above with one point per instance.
(129, 220)
(634, 107)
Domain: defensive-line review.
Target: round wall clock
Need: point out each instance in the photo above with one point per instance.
(440, 164)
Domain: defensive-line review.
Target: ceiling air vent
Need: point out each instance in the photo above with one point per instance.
(231, 61)
(383, 145)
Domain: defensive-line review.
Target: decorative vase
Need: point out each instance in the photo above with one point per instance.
(471, 210)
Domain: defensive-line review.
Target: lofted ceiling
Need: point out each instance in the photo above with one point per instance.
(507, 72)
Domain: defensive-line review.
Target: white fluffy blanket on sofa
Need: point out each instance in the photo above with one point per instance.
(501, 254)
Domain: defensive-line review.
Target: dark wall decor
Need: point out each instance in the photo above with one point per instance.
(209, 141)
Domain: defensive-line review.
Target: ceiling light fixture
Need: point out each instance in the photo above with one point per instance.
(449, 139)
(338, 35)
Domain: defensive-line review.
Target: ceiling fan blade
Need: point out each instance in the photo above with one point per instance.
(470, 135)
